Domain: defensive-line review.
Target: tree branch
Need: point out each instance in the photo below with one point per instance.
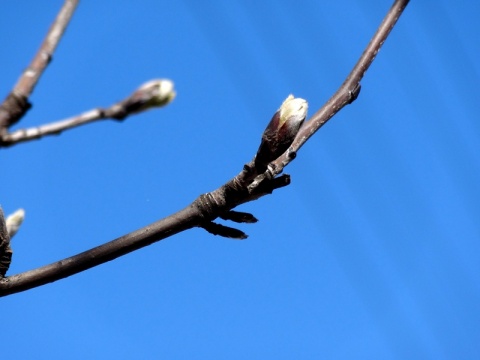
(199, 213)
(16, 104)
(348, 92)
(209, 206)
(154, 93)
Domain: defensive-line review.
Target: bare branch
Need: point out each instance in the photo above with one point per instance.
(211, 205)
(199, 213)
(31, 75)
(348, 92)
(154, 93)
(183, 220)
(5, 250)
(16, 104)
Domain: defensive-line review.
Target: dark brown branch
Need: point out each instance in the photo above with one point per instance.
(211, 205)
(200, 213)
(153, 93)
(16, 104)
(182, 220)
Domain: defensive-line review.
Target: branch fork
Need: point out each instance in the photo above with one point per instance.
(281, 140)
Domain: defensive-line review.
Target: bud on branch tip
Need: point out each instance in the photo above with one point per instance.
(281, 131)
(153, 93)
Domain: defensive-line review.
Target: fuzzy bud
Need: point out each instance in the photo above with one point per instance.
(14, 221)
(154, 93)
(281, 131)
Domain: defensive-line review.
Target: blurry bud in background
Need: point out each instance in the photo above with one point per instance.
(154, 93)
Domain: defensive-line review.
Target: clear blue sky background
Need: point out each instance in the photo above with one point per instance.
(371, 253)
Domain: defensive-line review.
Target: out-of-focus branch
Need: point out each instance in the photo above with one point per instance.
(154, 93)
(220, 202)
(16, 104)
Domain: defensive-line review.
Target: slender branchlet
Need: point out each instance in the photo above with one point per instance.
(16, 103)
(152, 94)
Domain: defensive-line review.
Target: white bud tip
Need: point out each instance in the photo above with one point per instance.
(164, 91)
(14, 221)
(293, 107)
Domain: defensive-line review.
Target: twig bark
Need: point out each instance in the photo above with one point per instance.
(348, 91)
(54, 128)
(199, 213)
(154, 93)
(183, 220)
(16, 104)
(211, 205)
(5, 249)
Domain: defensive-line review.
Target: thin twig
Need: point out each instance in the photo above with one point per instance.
(54, 128)
(348, 92)
(16, 104)
(31, 75)
(211, 205)
(198, 214)
(154, 93)
(183, 220)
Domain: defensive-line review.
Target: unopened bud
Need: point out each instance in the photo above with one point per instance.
(281, 131)
(14, 221)
(153, 93)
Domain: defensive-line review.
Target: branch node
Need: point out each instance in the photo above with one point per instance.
(115, 112)
(211, 204)
(12, 109)
(269, 174)
(47, 56)
(354, 93)
(207, 206)
(291, 154)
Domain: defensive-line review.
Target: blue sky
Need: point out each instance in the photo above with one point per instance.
(372, 251)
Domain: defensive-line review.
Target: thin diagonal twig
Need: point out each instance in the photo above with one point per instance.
(16, 104)
(54, 128)
(348, 91)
